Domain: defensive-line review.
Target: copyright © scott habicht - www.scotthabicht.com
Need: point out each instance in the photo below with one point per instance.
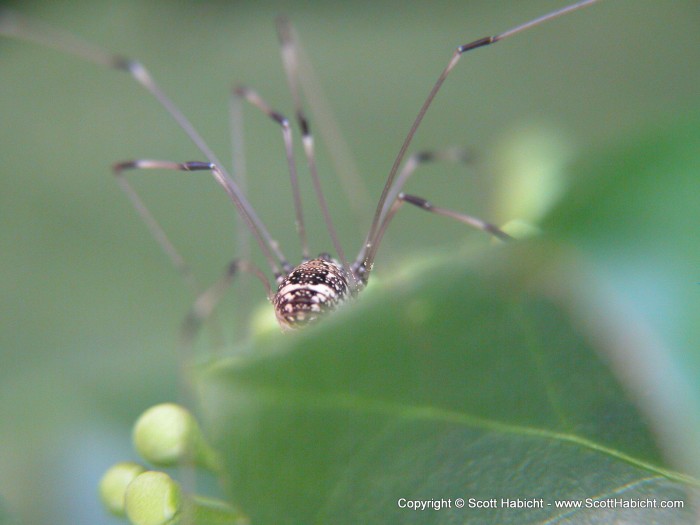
(535, 503)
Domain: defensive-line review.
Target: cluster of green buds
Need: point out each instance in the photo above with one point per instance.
(165, 435)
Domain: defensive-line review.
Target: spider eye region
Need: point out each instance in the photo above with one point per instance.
(311, 290)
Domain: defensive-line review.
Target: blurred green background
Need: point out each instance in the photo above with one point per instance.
(91, 307)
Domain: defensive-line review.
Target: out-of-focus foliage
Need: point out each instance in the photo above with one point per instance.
(521, 373)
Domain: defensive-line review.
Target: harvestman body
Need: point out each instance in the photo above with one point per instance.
(318, 285)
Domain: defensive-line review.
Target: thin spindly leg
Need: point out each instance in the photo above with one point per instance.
(252, 97)
(454, 155)
(380, 214)
(469, 220)
(154, 227)
(290, 60)
(156, 230)
(364, 267)
(239, 168)
(300, 71)
(16, 26)
(207, 301)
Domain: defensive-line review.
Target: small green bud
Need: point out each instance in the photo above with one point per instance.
(167, 434)
(519, 229)
(152, 498)
(113, 485)
(531, 171)
(263, 321)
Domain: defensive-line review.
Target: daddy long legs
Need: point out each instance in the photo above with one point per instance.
(303, 293)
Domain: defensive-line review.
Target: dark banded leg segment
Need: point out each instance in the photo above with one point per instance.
(16, 26)
(290, 60)
(454, 155)
(207, 301)
(363, 267)
(252, 97)
(154, 227)
(469, 220)
(378, 220)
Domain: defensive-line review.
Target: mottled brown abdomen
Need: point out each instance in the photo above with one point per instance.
(310, 291)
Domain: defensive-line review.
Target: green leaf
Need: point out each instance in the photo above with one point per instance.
(633, 216)
(530, 371)
(635, 210)
(462, 380)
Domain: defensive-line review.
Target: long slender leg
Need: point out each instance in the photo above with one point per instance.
(455, 155)
(240, 175)
(156, 230)
(301, 69)
(256, 100)
(207, 301)
(469, 220)
(290, 61)
(239, 168)
(363, 267)
(377, 220)
(154, 227)
(13, 25)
